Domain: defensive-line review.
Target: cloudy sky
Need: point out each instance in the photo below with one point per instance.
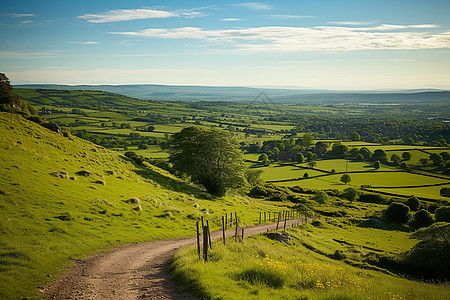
(329, 44)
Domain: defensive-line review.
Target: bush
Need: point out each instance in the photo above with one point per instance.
(413, 203)
(421, 219)
(350, 194)
(372, 198)
(397, 212)
(443, 214)
(320, 197)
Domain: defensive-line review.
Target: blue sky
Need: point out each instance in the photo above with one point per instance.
(313, 44)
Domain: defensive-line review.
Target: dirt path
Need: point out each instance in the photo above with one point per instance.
(134, 271)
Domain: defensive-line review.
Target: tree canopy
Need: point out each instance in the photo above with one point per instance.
(210, 157)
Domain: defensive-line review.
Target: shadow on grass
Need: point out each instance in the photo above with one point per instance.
(377, 224)
(168, 183)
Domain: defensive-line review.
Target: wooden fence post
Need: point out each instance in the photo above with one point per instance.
(209, 235)
(198, 242)
(242, 233)
(223, 230)
(269, 216)
(226, 216)
(231, 218)
(236, 232)
(203, 224)
(260, 217)
(264, 217)
(205, 243)
(278, 222)
(285, 219)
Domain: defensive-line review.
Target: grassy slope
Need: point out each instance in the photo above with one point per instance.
(45, 220)
(264, 269)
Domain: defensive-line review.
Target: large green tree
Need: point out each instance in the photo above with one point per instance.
(210, 157)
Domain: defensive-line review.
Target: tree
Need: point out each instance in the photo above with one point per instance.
(351, 194)
(423, 161)
(305, 175)
(397, 212)
(10, 102)
(355, 136)
(299, 158)
(377, 165)
(150, 128)
(437, 159)
(264, 159)
(365, 152)
(406, 156)
(445, 155)
(422, 218)
(320, 197)
(443, 214)
(311, 156)
(380, 155)
(312, 164)
(395, 159)
(211, 157)
(413, 203)
(346, 178)
(307, 139)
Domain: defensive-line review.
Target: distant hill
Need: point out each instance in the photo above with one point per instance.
(247, 94)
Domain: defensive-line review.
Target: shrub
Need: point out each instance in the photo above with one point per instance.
(397, 212)
(413, 203)
(443, 214)
(350, 194)
(372, 198)
(421, 219)
(320, 197)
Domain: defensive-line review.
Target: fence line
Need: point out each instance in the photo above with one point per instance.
(228, 221)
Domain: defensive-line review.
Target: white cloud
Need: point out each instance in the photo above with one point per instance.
(231, 19)
(254, 5)
(85, 43)
(14, 54)
(320, 38)
(288, 17)
(27, 22)
(21, 15)
(351, 23)
(118, 15)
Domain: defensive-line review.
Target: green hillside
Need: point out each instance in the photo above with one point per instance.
(51, 214)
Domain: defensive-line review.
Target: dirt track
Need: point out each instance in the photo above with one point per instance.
(134, 271)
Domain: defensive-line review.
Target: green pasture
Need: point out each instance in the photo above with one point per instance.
(282, 172)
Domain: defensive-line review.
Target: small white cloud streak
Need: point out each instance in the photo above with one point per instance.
(14, 54)
(288, 17)
(21, 15)
(254, 5)
(27, 22)
(351, 23)
(119, 15)
(231, 19)
(321, 38)
(85, 43)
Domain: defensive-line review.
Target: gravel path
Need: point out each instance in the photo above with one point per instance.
(133, 271)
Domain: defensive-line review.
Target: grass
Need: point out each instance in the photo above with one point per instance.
(260, 268)
(46, 221)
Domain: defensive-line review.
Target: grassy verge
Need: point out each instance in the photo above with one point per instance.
(260, 268)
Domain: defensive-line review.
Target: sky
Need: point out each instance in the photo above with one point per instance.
(316, 44)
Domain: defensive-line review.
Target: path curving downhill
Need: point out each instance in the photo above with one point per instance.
(133, 271)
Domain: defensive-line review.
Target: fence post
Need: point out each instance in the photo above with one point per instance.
(269, 215)
(231, 218)
(203, 224)
(205, 243)
(260, 217)
(198, 242)
(236, 232)
(278, 222)
(264, 217)
(226, 216)
(209, 235)
(242, 233)
(223, 229)
(285, 219)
